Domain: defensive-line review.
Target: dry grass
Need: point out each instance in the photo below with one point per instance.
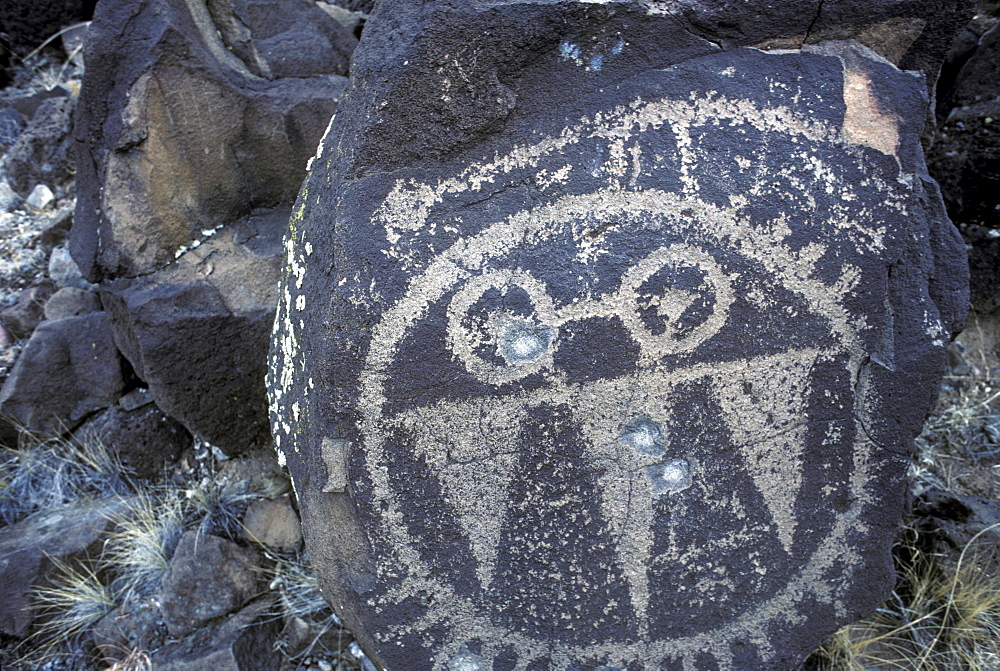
(941, 617)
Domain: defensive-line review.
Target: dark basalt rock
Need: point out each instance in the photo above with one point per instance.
(143, 438)
(28, 548)
(603, 341)
(195, 124)
(41, 154)
(69, 369)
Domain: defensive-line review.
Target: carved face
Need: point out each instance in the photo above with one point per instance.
(623, 419)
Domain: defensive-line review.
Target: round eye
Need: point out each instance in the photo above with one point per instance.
(502, 326)
(679, 298)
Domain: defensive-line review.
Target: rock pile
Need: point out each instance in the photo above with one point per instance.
(606, 329)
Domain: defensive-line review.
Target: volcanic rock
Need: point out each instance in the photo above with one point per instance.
(604, 335)
(68, 369)
(196, 122)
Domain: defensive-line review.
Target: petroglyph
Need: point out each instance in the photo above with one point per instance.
(505, 327)
(613, 403)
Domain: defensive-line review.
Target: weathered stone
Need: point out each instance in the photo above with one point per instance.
(64, 271)
(283, 39)
(144, 438)
(22, 318)
(41, 153)
(965, 156)
(167, 80)
(69, 369)
(40, 197)
(242, 642)
(602, 345)
(28, 548)
(11, 125)
(208, 577)
(133, 626)
(8, 198)
(27, 104)
(273, 523)
(194, 332)
(56, 227)
(351, 20)
(71, 302)
(186, 240)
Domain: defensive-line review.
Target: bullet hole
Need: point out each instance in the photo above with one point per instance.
(644, 435)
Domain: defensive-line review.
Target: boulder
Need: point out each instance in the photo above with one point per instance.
(41, 154)
(965, 157)
(159, 166)
(22, 318)
(28, 548)
(604, 334)
(966, 154)
(68, 369)
(195, 331)
(208, 577)
(244, 641)
(63, 269)
(182, 203)
(136, 625)
(273, 523)
(71, 302)
(145, 439)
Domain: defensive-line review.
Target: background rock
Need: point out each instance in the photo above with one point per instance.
(41, 154)
(194, 332)
(135, 129)
(241, 642)
(529, 419)
(144, 438)
(23, 317)
(208, 577)
(71, 302)
(185, 240)
(68, 369)
(274, 524)
(965, 157)
(28, 548)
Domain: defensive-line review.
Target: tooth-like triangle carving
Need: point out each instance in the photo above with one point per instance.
(764, 406)
(472, 446)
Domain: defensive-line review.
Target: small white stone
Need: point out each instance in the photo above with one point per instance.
(40, 197)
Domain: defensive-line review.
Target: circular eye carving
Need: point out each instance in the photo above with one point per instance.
(679, 297)
(498, 344)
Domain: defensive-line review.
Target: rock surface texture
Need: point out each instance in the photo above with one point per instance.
(28, 548)
(604, 335)
(195, 123)
(68, 370)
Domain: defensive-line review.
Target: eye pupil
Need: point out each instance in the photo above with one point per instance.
(644, 435)
(521, 343)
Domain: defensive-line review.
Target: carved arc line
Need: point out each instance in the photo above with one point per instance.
(765, 248)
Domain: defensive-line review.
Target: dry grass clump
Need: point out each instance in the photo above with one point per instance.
(310, 619)
(942, 616)
(138, 551)
(47, 474)
(73, 601)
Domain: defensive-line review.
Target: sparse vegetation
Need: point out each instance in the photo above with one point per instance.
(146, 533)
(46, 474)
(67, 608)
